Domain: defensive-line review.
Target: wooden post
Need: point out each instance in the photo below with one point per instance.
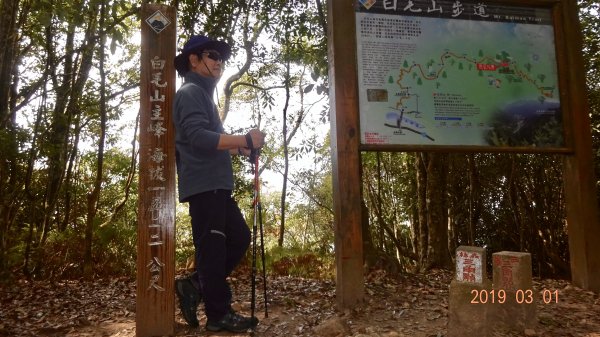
(345, 143)
(155, 315)
(579, 178)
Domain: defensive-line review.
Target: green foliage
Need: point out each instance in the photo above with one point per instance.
(184, 249)
(115, 251)
(589, 16)
(300, 263)
(389, 185)
(115, 248)
(498, 201)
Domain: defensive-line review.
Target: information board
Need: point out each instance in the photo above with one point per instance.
(457, 73)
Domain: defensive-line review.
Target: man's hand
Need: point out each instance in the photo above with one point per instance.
(255, 139)
(244, 151)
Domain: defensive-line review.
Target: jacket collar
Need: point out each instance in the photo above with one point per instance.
(206, 83)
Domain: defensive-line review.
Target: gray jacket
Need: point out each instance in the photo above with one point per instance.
(200, 166)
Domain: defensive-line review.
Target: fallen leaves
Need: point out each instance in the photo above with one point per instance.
(413, 305)
(58, 308)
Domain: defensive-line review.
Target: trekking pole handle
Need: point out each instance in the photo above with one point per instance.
(253, 159)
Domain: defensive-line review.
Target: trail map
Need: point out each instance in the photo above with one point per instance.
(484, 79)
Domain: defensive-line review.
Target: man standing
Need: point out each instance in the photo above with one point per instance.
(203, 155)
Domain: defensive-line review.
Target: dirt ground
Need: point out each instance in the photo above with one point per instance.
(405, 305)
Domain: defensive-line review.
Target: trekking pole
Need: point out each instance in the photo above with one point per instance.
(262, 239)
(254, 158)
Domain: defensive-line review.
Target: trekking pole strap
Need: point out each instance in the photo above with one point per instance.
(249, 143)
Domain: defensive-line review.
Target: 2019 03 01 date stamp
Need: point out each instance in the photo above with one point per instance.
(520, 296)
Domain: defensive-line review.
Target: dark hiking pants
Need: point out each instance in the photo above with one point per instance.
(221, 238)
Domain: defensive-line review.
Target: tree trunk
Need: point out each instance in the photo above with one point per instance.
(287, 139)
(369, 252)
(452, 232)
(513, 197)
(438, 255)
(413, 211)
(423, 228)
(8, 43)
(130, 175)
(31, 203)
(379, 201)
(68, 103)
(286, 155)
(386, 226)
(58, 133)
(69, 177)
(474, 198)
(8, 147)
(94, 195)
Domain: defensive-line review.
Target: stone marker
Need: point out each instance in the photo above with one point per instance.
(467, 310)
(512, 275)
(470, 264)
(512, 270)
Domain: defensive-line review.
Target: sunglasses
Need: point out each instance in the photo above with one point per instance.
(213, 55)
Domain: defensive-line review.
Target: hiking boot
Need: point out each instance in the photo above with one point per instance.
(232, 322)
(253, 321)
(189, 298)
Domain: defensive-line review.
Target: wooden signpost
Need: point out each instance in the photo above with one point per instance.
(579, 178)
(382, 102)
(155, 312)
(345, 142)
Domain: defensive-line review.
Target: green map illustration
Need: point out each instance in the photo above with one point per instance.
(463, 82)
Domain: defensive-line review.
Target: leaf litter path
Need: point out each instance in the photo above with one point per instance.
(405, 305)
